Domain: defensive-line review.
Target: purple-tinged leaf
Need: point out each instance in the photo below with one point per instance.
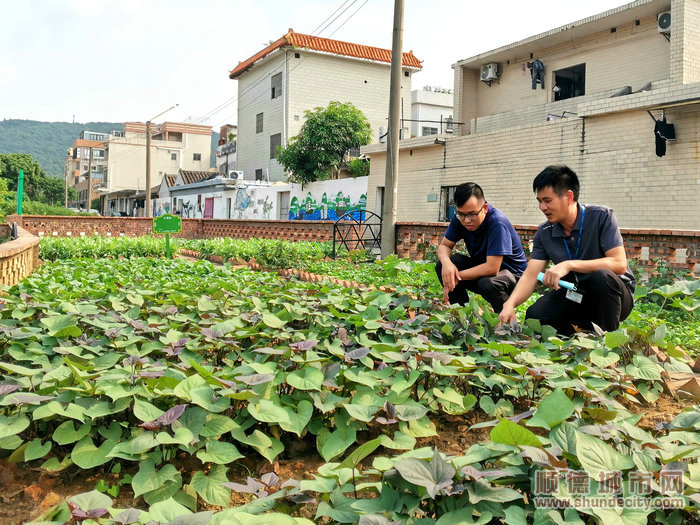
(443, 358)
(152, 374)
(172, 415)
(212, 333)
(225, 382)
(330, 372)
(138, 325)
(21, 399)
(300, 498)
(343, 336)
(171, 310)
(382, 366)
(356, 354)
(302, 346)
(270, 479)
(520, 416)
(128, 516)
(478, 474)
(6, 388)
(113, 333)
(255, 379)
(390, 409)
(384, 421)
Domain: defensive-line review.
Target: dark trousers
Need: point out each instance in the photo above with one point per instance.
(495, 289)
(606, 302)
(537, 74)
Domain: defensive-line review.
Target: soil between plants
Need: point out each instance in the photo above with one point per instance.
(26, 491)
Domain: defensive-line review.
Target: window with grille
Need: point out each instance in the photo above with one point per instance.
(275, 142)
(276, 86)
(258, 123)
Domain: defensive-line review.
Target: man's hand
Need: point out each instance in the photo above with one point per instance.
(553, 275)
(450, 276)
(445, 296)
(507, 315)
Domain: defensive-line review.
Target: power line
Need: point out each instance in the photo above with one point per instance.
(334, 12)
(233, 99)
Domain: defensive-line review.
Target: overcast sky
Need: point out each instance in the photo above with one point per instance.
(120, 60)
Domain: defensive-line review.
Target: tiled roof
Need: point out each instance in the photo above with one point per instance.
(337, 47)
(189, 177)
(169, 180)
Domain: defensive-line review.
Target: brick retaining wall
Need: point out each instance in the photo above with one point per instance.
(679, 248)
(19, 257)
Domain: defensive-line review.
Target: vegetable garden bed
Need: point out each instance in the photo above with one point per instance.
(153, 390)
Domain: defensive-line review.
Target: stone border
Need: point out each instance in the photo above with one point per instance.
(19, 257)
(289, 272)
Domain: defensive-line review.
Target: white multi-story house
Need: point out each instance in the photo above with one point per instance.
(618, 101)
(174, 146)
(431, 112)
(298, 73)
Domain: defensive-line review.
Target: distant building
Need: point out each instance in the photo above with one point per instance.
(226, 151)
(297, 73)
(174, 146)
(431, 112)
(86, 155)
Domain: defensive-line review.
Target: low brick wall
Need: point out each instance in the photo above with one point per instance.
(19, 257)
(73, 226)
(678, 248)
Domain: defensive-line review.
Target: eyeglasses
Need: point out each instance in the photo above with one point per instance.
(469, 216)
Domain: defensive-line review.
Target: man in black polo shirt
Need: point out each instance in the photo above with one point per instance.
(496, 258)
(585, 246)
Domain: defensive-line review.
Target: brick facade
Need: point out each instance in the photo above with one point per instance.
(19, 257)
(679, 248)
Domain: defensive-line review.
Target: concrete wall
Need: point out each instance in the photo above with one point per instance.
(429, 106)
(613, 153)
(310, 81)
(609, 66)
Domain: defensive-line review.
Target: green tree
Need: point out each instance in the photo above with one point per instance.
(38, 187)
(323, 142)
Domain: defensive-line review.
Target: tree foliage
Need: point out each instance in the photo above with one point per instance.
(324, 140)
(39, 189)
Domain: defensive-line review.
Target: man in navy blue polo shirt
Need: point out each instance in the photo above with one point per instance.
(585, 246)
(496, 258)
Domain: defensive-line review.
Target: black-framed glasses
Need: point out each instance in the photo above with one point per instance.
(469, 216)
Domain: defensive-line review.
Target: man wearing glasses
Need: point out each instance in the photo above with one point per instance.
(496, 259)
(585, 246)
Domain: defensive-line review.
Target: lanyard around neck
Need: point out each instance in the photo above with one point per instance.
(578, 241)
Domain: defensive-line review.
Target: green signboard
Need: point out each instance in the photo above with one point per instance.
(167, 223)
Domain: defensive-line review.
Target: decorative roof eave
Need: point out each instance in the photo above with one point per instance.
(327, 45)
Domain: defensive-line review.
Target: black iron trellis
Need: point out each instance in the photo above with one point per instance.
(358, 230)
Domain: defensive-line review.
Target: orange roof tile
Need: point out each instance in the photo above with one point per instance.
(326, 45)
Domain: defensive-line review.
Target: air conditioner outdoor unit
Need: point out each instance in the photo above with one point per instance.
(235, 174)
(489, 72)
(663, 22)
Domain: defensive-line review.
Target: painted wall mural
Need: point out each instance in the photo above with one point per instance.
(328, 209)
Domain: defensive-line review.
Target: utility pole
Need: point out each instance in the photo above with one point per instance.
(89, 190)
(392, 143)
(148, 212)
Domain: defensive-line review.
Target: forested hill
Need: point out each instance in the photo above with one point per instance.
(48, 142)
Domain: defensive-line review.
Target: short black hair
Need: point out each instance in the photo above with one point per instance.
(466, 190)
(558, 177)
